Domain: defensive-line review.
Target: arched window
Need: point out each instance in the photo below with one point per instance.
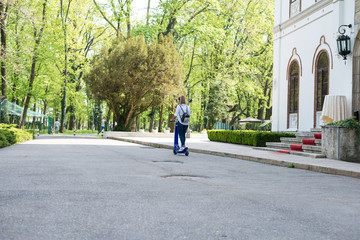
(294, 88)
(322, 80)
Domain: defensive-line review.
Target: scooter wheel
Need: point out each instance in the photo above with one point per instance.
(174, 152)
(187, 154)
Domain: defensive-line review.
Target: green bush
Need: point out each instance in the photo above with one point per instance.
(32, 132)
(7, 126)
(10, 135)
(3, 141)
(246, 137)
(350, 123)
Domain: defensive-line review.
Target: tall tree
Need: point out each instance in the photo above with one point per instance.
(4, 9)
(148, 13)
(37, 34)
(64, 13)
(131, 76)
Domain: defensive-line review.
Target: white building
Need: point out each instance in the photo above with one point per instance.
(307, 65)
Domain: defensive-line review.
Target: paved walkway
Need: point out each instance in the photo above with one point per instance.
(199, 143)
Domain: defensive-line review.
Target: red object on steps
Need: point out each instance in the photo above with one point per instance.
(284, 151)
(317, 135)
(308, 141)
(296, 147)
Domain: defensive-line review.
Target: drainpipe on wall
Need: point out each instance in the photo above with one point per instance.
(279, 67)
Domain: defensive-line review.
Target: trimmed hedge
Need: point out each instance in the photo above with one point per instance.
(10, 135)
(246, 137)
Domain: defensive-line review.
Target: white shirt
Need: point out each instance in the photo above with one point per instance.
(179, 112)
(103, 123)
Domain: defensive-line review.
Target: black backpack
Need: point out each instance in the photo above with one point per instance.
(185, 118)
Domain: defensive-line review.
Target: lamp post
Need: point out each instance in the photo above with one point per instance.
(343, 42)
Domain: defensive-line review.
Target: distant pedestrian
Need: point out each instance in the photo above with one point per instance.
(182, 113)
(102, 125)
(57, 124)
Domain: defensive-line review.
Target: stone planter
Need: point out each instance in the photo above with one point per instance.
(141, 130)
(340, 143)
(167, 131)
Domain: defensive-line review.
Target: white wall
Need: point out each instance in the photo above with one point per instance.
(304, 33)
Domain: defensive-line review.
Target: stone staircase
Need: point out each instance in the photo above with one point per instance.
(307, 144)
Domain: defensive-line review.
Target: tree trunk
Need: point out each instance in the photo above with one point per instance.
(45, 107)
(34, 118)
(31, 82)
(148, 13)
(128, 23)
(261, 107)
(152, 116)
(72, 117)
(3, 15)
(108, 115)
(63, 100)
(161, 117)
(63, 110)
(64, 27)
(45, 101)
(133, 125)
(268, 109)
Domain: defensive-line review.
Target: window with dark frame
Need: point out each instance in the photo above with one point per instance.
(294, 88)
(322, 80)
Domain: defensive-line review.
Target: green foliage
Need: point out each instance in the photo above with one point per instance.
(349, 123)
(252, 126)
(133, 76)
(246, 137)
(32, 132)
(71, 132)
(3, 140)
(4, 118)
(10, 135)
(291, 165)
(221, 53)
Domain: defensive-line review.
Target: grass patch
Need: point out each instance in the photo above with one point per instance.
(291, 165)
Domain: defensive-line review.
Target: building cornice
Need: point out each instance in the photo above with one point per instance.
(304, 14)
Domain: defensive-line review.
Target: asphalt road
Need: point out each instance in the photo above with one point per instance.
(83, 188)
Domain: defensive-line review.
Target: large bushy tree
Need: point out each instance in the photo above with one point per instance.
(132, 76)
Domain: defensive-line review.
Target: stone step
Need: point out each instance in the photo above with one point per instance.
(298, 141)
(309, 154)
(311, 148)
(291, 140)
(278, 145)
(286, 146)
(304, 154)
(304, 135)
(315, 130)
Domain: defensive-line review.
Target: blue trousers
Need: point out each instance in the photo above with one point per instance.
(182, 130)
(102, 128)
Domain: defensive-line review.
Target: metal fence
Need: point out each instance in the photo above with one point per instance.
(223, 126)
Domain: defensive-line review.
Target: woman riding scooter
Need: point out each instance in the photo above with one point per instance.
(182, 114)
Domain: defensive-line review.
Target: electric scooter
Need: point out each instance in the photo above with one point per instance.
(176, 143)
